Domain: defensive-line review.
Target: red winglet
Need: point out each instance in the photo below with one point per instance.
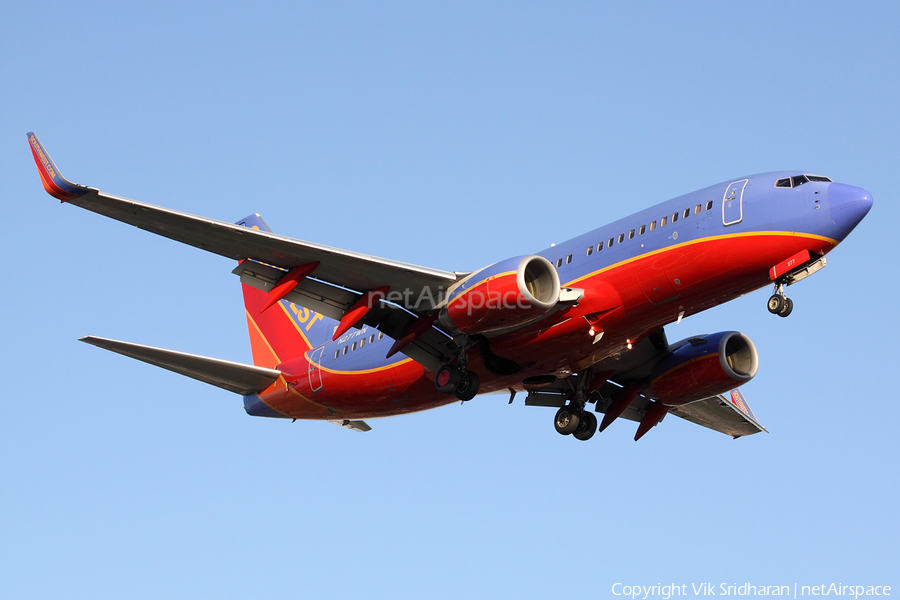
(288, 283)
(358, 311)
(53, 181)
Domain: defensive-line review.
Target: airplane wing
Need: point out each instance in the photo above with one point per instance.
(727, 414)
(335, 285)
(235, 377)
(342, 268)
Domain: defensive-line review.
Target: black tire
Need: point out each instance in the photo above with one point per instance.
(447, 379)
(776, 303)
(467, 387)
(566, 420)
(787, 308)
(587, 428)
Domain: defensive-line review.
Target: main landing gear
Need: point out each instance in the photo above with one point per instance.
(580, 424)
(573, 419)
(450, 379)
(779, 304)
(457, 379)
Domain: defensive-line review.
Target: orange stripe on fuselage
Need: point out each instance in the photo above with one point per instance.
(712, 238)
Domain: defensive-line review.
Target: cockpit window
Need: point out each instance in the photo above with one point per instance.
(792, 182)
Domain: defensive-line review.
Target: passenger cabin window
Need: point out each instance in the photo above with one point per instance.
(652, 225)
(631, 234)
(362, 343)
(697, 209)
(352, 346)
(662, 222)
(337, 353)
(610, 242)
(687, 212)
(643, 229)
(674, 217)
(344, 350)
(569, 259)
(590, 250)
(709, 205)
(621, 237)
(372, 339)
(559, 263)
(599, 246)
(380, 335)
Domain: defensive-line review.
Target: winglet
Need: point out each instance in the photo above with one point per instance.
(55, 184)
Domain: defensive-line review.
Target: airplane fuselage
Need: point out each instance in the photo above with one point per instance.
(638, 274)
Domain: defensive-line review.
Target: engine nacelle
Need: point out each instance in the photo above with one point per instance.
(512, 292)
(704, 366)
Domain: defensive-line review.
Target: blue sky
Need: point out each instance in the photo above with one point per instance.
(450, 135)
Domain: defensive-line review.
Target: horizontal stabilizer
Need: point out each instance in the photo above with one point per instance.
(234, 377)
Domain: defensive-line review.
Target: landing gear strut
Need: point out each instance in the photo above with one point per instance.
(573, 419)
(779, 304)
(457, 379)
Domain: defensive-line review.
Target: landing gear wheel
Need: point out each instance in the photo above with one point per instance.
(467, 387)
(776, 304)
(587, 427)
(447, 379)
(567, 420)
(787, 308)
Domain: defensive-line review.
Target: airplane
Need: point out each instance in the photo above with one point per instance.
(342, 336)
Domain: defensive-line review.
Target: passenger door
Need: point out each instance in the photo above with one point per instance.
(733, 203)
(315, 373)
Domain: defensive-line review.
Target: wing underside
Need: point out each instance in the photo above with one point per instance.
(339, 279)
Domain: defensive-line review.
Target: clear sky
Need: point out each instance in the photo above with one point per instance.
(450, 135)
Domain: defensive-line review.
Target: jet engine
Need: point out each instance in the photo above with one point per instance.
(509, 293)
(704, 366)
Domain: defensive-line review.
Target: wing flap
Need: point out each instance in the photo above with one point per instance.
(351, 270)
(234, 377)
(360, 426)
(430, 350)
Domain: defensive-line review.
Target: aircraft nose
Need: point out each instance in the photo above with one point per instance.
(848, 205)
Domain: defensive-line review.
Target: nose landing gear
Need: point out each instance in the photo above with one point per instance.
(779, 304)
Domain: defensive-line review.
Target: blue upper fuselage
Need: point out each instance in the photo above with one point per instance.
(741, 206)
(746, 205)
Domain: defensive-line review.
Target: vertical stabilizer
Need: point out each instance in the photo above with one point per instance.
(285, 330)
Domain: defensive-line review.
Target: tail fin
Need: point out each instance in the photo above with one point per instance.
(284, 331)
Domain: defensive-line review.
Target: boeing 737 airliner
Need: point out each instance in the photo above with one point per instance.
(342, 336)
